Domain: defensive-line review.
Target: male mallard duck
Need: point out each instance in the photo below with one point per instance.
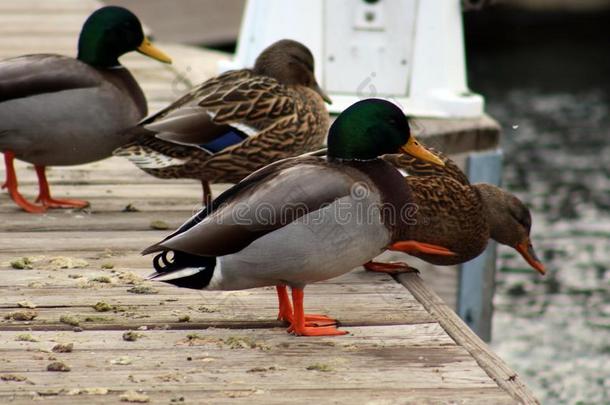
(236, 123)
(301, 220)
(460, 216)
(56, 110)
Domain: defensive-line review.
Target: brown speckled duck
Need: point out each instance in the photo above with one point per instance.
(460, 216)
(236, 123)
(56, 110)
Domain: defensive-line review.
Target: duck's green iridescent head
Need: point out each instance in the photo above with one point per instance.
(111, 32)
(371, 128)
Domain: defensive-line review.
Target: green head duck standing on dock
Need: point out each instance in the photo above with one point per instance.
(308, 227)
(56, 110)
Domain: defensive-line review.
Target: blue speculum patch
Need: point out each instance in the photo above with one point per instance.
(224, 141)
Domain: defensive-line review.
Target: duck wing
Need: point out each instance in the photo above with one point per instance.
(31, 75)
(222, 111)
(265, 201)
(449, 214)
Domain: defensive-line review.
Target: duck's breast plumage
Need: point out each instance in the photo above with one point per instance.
(448, 214)
(56, 110)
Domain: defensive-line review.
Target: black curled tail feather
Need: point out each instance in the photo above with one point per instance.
(163, 265)
(189, 271)
(179, 261)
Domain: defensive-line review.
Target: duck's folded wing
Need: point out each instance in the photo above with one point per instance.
(222, 111)
(267, 200)
(32, 75)
(417, 167)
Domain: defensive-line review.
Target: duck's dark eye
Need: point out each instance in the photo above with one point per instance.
(524, 222)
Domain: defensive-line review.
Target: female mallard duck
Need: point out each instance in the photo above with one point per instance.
(460, 216)
(303, 219)
(56, 110)
(236, 123)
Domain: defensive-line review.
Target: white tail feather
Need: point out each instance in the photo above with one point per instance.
(173, 275)
(147, 158)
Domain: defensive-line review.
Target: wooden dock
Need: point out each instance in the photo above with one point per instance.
(82, 284)
(71, 290)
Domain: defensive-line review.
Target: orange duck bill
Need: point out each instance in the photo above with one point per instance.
(526, 250)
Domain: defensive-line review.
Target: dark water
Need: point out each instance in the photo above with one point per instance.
(546, 80)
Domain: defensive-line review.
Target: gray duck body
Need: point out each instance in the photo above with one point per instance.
(333, 224)
(57, 110)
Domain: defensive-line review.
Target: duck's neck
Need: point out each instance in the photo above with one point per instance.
(353, 161)
(493, 211)
(386, 181)
(95, 52)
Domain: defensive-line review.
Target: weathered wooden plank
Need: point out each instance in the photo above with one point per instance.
(43, 267)
(110, 197)
(442, 279)
(424, 367)
(56, 6)
(228, 395)
(45, 242)
(461, 333)
(358, 298)
(113, 170)
(105, 191)
(59, 23)
(100, 221)
(420, 335)
(187, 206)
(410, 362)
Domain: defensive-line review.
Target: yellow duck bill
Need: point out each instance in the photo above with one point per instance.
(414, 148)
(148, 49)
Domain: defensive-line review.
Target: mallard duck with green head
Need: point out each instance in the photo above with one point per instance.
(302, 220)
(57, 111)
(462, 217)
(236, 123)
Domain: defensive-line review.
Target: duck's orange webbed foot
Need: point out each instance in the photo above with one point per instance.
(50, 202)
(25, 204)
(312, 320)
(44, 195)
(315, 331)
(12, 187)
(300, 327)
(286, 314)
(414, 247)
(390, 268)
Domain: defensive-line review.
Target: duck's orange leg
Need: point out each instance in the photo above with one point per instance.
(285, 312)
(44, 195)
(12, 186)
(287, 315)
(414, 247)
(299, 327)
(389, 268)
